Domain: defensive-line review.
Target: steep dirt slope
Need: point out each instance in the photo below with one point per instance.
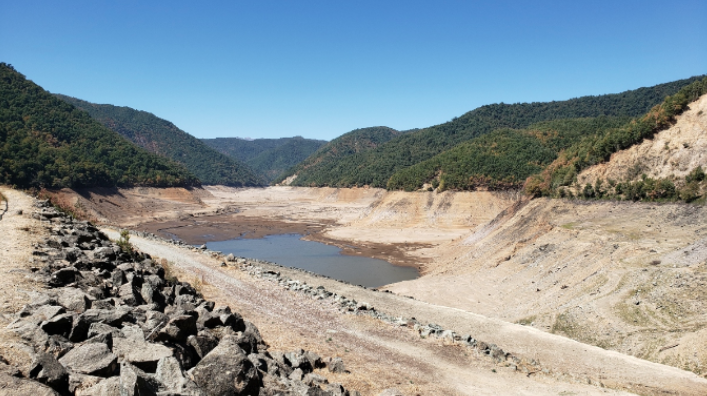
(671, 153)
(624, 276)
(132, 206)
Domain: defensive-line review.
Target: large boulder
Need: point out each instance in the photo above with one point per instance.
(135, 382)
(178, 328)
(92, 359)
(226, 371)
(112, 317)
(169, 374)
(14, 386)
(140, 354)
(73, 299)
(60, 324)
(203, 342)
(47, 370)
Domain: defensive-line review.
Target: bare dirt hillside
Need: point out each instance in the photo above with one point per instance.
(624, 276)
(671, 153)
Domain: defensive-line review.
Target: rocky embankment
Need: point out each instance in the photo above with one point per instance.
(109, 322)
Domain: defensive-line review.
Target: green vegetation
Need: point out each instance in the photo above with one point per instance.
(328, 165)
(376, 166)
(272, 163)
(45, 142)
(644, 189)
(502, 159)
(163, 138)
(124, 243)
(598, 148)
(269, 158)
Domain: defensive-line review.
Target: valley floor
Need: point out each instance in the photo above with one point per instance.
(626, 277)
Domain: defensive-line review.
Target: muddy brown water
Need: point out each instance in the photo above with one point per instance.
(290, 251)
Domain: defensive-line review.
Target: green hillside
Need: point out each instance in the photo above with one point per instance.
(272, 163)
(269, 158)
(375, 167)
(244, 149)
(324, 167)
(161, 137)
(597, 148)
(46, 142)
(502, 159)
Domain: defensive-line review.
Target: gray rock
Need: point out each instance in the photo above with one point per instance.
(296, 375)
(135, 382)
(226, 371)
(312, 379)
(298, 359)
(130, 295)
(14, 386)
(203, 342)
(178, 328)
(80, 382)
(29, 332)
(169, 373)
(336, 390)
(107, 387)
(336, 365)
(47, 370)
(60, 324)
(113, 317)
(104, 254)
(63, 276)
(91, 359)
(45, 312)
(140, 354)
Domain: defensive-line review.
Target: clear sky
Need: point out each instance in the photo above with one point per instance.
(321, 68)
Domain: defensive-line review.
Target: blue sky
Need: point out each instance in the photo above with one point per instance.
(321, 68)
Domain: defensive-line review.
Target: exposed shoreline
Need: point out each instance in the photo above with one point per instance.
(217, 228)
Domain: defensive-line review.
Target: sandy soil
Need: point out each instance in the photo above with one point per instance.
(381, 356)
(19, 232)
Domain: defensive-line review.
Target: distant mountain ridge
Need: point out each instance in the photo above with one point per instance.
(46, 142)
(377, 166)
(268, 157)
(324, 166)
(162, 137)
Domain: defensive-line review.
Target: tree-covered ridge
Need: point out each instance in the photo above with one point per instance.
(46, 142)
(598, 148)
(325, 164)
(272, 163)
(269, 158)
(502, 159)
(375, 167)
(161, 137)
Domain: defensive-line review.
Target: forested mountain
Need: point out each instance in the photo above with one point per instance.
(46, 142)
(161, 137)
(376, 167)
(501, 159)
(325, 165)
(269, 158)
(597, 148)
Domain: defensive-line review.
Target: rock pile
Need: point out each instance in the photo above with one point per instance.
(109, 323)
(430, 330)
